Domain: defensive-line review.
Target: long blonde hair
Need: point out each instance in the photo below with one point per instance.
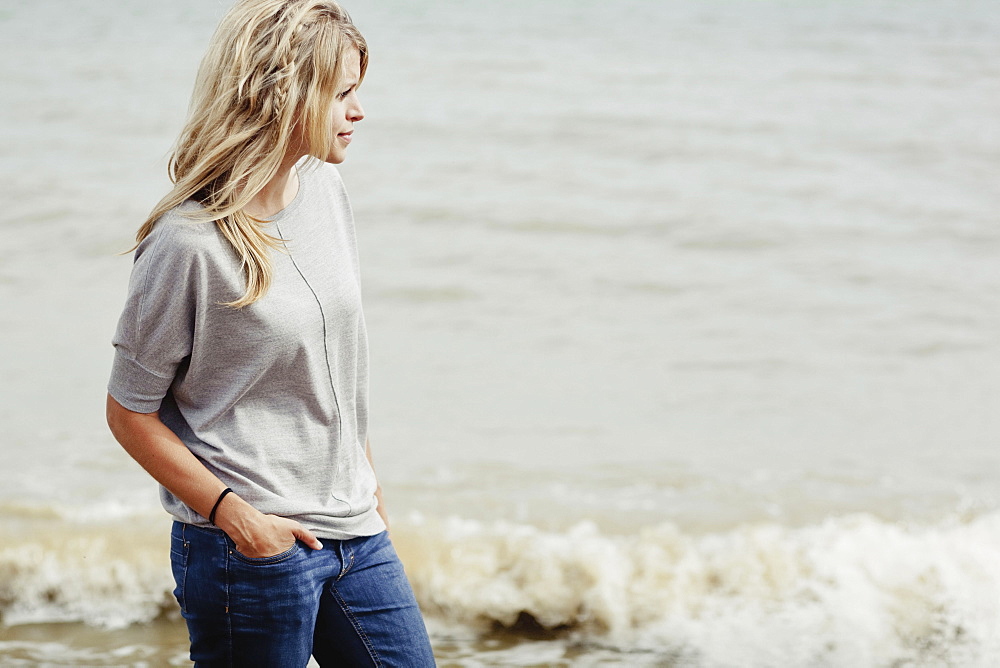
(272, 65)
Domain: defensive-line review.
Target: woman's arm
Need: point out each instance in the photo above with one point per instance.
(378, 488)
(173, 465)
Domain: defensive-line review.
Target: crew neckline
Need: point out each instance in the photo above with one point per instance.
(300, 173)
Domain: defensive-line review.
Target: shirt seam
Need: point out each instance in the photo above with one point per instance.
(142, 300)
(142, 366)
(326, 343)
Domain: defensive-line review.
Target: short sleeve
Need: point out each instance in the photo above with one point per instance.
(156, 328)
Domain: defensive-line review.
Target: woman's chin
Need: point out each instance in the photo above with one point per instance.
(335, 157)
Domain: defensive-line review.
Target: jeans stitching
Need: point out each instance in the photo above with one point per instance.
(351, 563)
(265, 561)
(345, 564)
(184, 571)
(357, 626)
(229, 617)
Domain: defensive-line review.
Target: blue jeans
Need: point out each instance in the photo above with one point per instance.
(349, 604)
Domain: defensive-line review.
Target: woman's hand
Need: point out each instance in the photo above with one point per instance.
(158, 450)
(258, 535)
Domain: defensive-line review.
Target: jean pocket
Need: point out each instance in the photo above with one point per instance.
(262, 561)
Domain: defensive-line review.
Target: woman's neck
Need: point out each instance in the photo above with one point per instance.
(278, 193)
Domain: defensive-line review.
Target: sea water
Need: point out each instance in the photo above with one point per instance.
(683, 318)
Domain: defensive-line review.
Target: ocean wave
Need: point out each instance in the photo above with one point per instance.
(849, 591)
(105, 576)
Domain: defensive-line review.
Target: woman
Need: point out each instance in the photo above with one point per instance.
(240, 378)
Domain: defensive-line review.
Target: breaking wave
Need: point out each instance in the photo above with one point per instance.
(852, 590)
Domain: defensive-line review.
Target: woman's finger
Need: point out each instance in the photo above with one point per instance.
(307, 537)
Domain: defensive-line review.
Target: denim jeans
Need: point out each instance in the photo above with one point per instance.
(349, 604)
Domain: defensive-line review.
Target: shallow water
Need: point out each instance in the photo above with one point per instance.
(683, 323)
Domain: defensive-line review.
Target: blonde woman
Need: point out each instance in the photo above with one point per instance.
(240, 377)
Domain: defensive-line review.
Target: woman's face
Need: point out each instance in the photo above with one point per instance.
(345, 109)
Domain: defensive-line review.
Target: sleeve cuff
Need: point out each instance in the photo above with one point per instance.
(135, 387)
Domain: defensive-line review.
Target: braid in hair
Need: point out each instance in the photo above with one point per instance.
(272, 64)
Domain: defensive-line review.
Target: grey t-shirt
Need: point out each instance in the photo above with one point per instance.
(273, 397)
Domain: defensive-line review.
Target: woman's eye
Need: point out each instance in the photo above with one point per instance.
(345, 93)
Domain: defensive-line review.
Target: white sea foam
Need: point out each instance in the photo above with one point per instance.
(95, 575)
(850, 591)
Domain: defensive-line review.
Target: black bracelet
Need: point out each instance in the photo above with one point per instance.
(211, 515)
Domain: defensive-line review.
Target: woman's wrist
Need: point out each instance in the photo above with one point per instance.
(237, 517)
(218, 502)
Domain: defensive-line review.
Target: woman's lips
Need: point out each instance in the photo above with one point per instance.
(346, 136)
